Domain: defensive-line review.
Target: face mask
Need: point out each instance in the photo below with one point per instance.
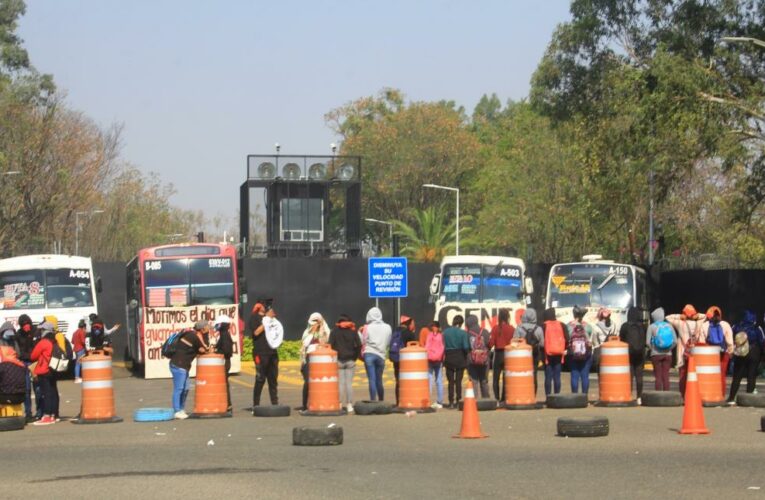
(26, 328)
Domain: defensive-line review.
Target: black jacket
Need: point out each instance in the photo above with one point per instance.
(346, 342)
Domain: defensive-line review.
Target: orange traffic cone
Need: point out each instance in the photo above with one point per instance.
(693, 414)
(471, 425)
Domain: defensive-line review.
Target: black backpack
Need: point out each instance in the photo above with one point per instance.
(635, 338)
(531, 339)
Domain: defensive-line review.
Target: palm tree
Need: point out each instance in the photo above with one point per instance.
(430, 237)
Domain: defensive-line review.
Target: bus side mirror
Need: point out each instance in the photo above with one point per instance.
(133, 304)
(434, 284)
(529, 285)
(99, 285)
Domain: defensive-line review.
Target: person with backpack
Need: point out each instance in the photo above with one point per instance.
(185, 349)
(749, 343)
(26, 336)
(633, 332)
(346, 341)
(377, 341)
(456, 347)
(434, 346)
(78, 344)
(580, 351)
(604, 328)
(534, 336)
(689, 325)
(225, 346)
(660, 339)
(478, 361)
(316, 333)
(555, 342)
(719, 333)
(500, 337)
(401, 336)
(46, 377)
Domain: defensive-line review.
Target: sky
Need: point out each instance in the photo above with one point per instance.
(198, 85)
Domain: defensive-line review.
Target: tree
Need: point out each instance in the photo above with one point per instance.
(430, 237)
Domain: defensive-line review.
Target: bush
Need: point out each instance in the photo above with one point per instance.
(288, 351)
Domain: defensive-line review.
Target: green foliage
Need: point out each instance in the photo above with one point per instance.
(247, 348)
(431, 236)
(288, 351)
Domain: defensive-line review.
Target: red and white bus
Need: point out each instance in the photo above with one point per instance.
(171, 287)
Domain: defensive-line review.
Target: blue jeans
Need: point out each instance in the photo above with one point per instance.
(78, 365)
(552, 374)
(375, 366)
(580, 370)
(180, 387)
(435, 371)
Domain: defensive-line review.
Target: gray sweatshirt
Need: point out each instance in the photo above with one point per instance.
(377, 335)
(656, 316)
(529, 325)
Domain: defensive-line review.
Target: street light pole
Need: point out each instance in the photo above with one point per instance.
(743, 39)
(77, 227)
(457, 191)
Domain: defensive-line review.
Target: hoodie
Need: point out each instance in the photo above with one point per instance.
(749, 325)
(26, 340)
(528, 327)
(474, 328)
(656, 316)
(8, 334)
(377, 334)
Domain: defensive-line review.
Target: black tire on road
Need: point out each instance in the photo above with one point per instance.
(483, 404)
(12, 423)
(661, 398)
(271, 411)
(751, 400)
(561, 401)
(762, 423)
(317, 436)
(372, 408)
(583, 426)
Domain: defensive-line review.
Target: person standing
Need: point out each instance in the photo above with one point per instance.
(604, 328)
(377, 337)
(41, 354)
(534, 337)
(434, 347)
(580, 351)
(12, 377)
(500, 337)
(405, 334)
(690, 328)
(78, 344)
(749, 340)
(456, 347)
(555, 342)
(190, 344)
(633, 332)
(266, 358)
(661, 338)
(26, 338)
(225, 346)
(316, 333)
(346, 341)
(718, 332)
(478, 362)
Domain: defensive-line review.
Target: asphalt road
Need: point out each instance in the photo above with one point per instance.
(391, 456)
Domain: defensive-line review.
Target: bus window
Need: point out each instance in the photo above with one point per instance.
(591, 285)
(166, 282)
(68, 288)
(461, 283)
(212, 281)
(22, 290)
(502, 284)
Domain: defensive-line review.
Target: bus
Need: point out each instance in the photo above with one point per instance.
(595, 283)
(40, 285)
(171, 287)
(480, 285)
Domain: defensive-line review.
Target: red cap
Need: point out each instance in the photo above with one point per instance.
(689, 311)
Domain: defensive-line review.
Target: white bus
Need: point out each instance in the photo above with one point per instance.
(39, 285)
(595, 283)
(481, 285)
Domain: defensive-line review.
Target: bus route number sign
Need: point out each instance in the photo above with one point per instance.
(388, 277)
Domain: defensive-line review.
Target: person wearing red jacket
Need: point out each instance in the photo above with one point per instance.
(78, 344)
(500, 337)
(41, 354)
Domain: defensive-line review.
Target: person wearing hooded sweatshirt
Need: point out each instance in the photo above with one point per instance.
(633, 332)
(42, 353)
(747, 364)
(690, 327)
(8, 336)
(719, 332)
(534, 336)
(345, 340)
(316, 333)
(580, 368)
(478, 373)
(553, 362)
(456, 349)
(376, 341)
(26, 337)
(604, 328)
(661, 359)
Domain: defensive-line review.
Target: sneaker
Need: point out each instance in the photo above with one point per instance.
(46, 420)
(731, 403)
(181, 415)
(437, 406)
(77, 380)
(639, 401)
(349, 408)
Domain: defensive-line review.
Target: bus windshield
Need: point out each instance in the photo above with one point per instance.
(607, 285)
(51, 288)
(185, 282)
(474, 283)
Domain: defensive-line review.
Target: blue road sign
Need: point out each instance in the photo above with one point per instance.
(388, 277)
